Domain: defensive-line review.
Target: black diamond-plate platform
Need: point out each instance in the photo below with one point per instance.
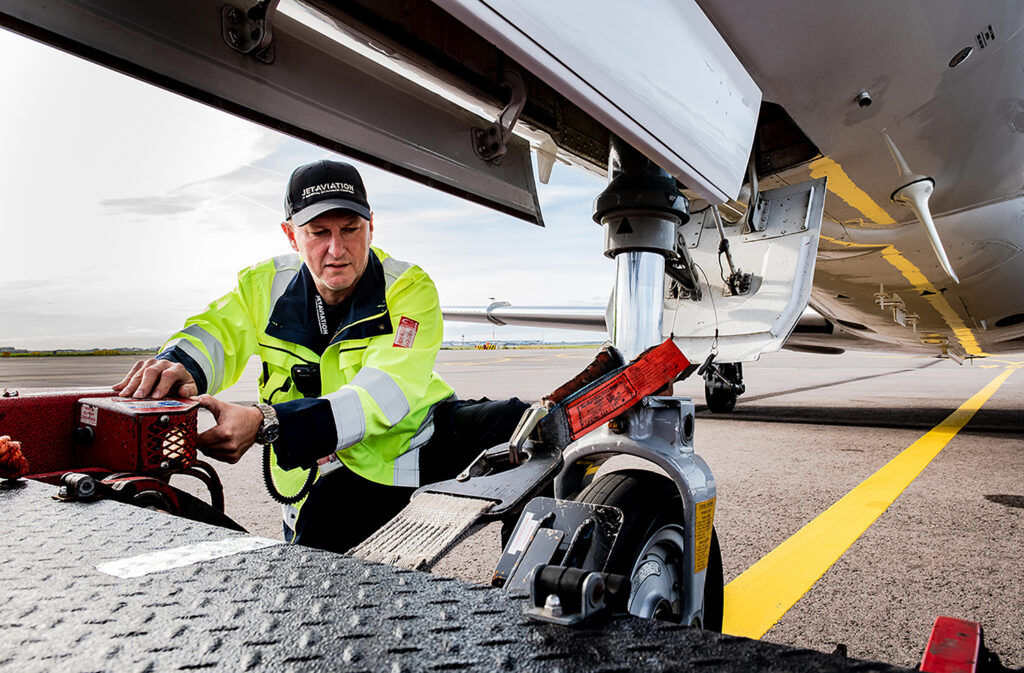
(292, 608)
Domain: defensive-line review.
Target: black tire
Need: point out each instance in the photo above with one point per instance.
(720, 401)
(652, 515)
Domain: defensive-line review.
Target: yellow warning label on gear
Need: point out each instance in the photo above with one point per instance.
(704, 519)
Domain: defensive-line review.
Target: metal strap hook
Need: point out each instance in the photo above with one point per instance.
(490, 143)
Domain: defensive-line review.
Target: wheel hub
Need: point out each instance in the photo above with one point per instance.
(656, 591)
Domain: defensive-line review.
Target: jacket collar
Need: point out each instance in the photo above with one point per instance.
(294, 317)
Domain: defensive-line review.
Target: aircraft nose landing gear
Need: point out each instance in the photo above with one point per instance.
(667, 545)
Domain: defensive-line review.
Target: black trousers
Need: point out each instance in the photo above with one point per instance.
(343, 509)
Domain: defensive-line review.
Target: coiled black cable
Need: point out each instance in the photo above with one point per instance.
(268, 479)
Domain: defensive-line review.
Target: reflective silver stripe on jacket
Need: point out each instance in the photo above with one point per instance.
(212, 366)
(287, 267)
(348, 417)
(216, 350)
(195, 354)
(290, 514)
(384, 391)
(393, 268)
(407, 469)
(407, 465)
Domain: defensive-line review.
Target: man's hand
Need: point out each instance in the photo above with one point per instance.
(234, 433)
(156, 378)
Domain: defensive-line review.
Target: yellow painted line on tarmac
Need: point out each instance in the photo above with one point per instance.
(765, 591)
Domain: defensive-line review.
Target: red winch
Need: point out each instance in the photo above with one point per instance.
(94, 444)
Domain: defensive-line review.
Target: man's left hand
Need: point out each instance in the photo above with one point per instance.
(234, 433)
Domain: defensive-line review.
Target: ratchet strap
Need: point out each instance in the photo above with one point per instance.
(615, 392)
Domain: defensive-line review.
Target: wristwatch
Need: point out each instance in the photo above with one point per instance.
(269, 431)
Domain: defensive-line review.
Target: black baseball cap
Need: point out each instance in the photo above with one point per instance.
(322, 186)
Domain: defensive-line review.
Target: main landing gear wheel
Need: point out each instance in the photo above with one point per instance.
(720, 400)
(650, 545)
(721, 397)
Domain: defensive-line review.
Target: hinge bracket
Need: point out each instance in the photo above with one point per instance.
(490, 144)
(249, 31)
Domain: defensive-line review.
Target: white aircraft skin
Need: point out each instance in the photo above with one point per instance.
(963, 126)
(878, 282)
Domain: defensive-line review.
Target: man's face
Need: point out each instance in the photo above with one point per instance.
(336, 248)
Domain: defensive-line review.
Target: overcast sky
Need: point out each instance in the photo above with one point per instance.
(128, 208)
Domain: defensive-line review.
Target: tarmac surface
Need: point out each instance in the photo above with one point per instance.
(809, 431)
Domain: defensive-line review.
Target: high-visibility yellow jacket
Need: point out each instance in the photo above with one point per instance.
(377, 388)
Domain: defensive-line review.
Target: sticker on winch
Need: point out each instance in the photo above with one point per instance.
(89, 414)
(648, 374)
(150, 404)
(703, 520)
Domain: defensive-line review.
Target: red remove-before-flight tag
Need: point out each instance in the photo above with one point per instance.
(649, 373)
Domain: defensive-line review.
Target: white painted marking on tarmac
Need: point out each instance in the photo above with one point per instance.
(179, 557)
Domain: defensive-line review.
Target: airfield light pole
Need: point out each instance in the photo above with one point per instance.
(640, 210)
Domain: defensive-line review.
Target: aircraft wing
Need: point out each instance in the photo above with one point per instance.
(812, 333)
(590, 320)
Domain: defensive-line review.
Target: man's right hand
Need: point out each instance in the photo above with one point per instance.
(157, 378)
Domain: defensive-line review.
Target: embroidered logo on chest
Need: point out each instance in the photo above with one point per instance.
(406, 333)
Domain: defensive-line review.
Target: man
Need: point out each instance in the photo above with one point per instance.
(352, 417)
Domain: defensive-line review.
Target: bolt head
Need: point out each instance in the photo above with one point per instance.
(553, 605)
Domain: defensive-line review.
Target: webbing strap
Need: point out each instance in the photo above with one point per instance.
(422, 532)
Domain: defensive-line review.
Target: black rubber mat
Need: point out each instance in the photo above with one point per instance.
(291, 608)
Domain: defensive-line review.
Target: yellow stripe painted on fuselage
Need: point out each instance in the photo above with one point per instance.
(916, 277)
(840, 184)
(763, 593)
(938, 301)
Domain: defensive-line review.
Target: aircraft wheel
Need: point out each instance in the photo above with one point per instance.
(650, 546)
(720, 400)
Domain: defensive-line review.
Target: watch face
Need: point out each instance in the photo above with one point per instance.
(270, 429)
(268, 433)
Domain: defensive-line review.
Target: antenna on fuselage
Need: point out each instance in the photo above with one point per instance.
(914, 194)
